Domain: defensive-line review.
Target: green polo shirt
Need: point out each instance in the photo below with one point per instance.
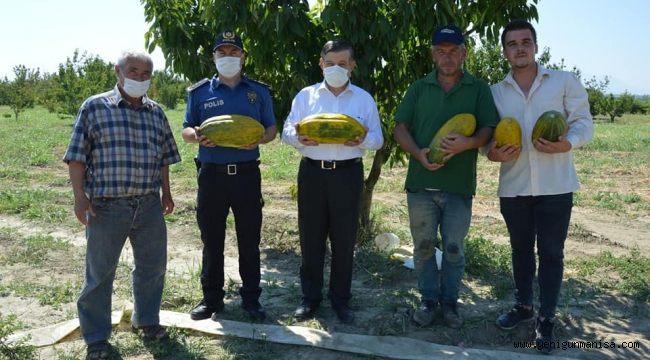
(425, 108)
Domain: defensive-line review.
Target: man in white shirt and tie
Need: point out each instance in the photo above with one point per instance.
(330, 180)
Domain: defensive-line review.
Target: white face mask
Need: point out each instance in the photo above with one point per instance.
(228, 66)
(335, 76)
(135, 88)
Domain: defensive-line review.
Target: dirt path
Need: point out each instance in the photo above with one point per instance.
(29, 228)
(613, 233)
(591, 233)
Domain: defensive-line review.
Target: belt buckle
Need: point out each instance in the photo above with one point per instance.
(322, 165)
(231, 169)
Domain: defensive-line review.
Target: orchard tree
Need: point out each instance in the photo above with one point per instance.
(283, 39)
(641, 105)
(616, 106)
(486, 61)
(167, 88)
(597, 98)
(4, 86)
(79, 77)
(20, 94)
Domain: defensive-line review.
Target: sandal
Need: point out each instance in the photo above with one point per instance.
(152, 332)
(98, 350)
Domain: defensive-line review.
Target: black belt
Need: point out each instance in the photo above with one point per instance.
(232, 169)
(332, 165)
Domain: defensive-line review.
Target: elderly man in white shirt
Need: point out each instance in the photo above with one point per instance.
(537, 180)
(330, 180)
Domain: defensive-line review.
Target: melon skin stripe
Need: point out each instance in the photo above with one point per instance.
(550, 126)
(463, 123)
(330, 128)
(232, 130)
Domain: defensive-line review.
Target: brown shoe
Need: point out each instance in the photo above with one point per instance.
(451, 316)
(425, 313)
(98, 350)
(151, 333)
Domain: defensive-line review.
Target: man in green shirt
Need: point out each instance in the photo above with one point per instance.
(439, 196)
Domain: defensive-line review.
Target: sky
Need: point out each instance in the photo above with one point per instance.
(600, 37)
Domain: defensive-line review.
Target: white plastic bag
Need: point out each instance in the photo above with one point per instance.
(386, 242)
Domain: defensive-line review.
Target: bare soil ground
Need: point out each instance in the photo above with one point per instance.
(383, 299)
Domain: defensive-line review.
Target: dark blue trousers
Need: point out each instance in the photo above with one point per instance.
(545, 220)
(218, 193)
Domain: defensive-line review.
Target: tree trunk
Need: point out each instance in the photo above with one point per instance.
(381, 156)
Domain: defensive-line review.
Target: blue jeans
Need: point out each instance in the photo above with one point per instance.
(140, 219)
(451, 213)
(545, 219)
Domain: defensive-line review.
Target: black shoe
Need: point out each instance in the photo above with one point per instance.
(255, 311)
(544, 335)
(305, 310)
(204, 310)
(345, 314)
(517, 315)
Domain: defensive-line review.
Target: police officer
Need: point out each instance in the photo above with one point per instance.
(229, 178)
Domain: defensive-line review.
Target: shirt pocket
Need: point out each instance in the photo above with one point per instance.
(154, 148)
(555, 103)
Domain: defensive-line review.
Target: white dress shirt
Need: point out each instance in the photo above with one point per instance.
(533, 172)
(353, 101)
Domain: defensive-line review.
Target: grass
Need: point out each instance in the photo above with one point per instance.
(490, 263)
(627, 135)
(37, 144)
(35, 249)
(182, 345)
(181, 291)
(614, 200)
(55, 294)
(280, 161)
(19, 350)
(39, 141)
(381, 270)
(36, 204)
(628, 274)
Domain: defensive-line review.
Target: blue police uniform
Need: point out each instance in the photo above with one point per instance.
(229, 179)
(210, 98)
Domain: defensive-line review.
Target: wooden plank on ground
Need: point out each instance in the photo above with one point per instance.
(394, 347)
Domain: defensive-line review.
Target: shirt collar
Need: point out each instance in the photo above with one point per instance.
(215, 83)
(116, 97)
(323, 87)
(432, 78)
(542, 72)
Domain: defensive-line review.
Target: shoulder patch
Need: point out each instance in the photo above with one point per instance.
(197, 85)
